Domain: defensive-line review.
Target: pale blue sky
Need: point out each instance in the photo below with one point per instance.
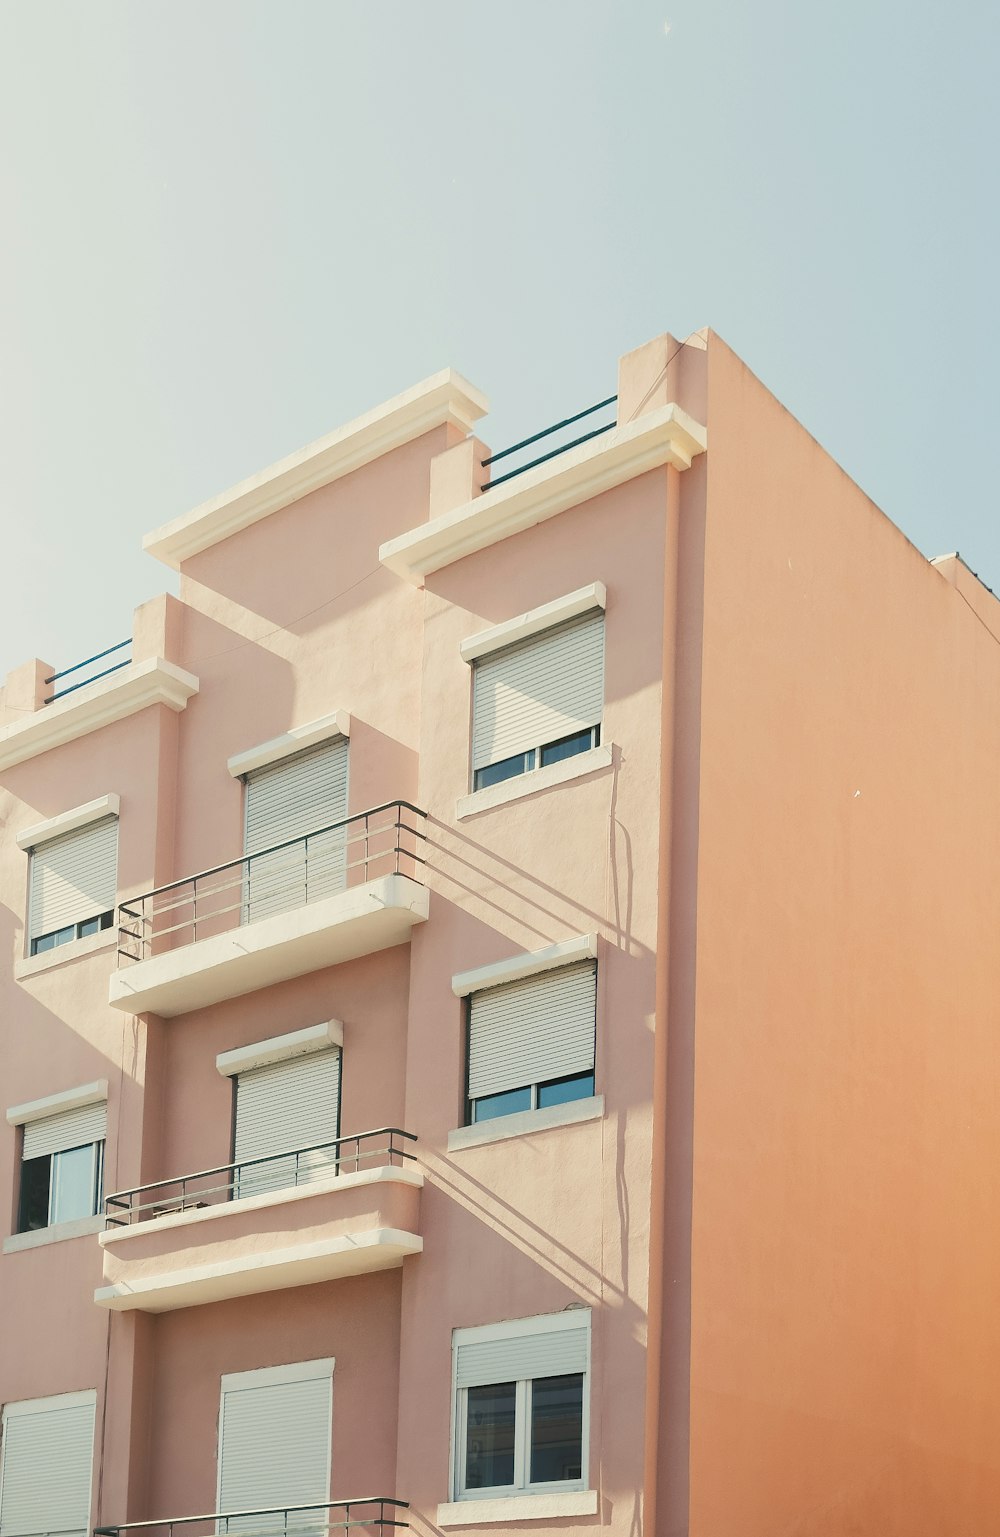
(231, 225)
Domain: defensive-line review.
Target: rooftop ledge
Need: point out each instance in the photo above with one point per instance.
(359, 921)
(444, 398)
(664, 436)
(99, 704)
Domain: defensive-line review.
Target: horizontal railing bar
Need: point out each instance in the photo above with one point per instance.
(236, 1515)
(544, 458)
(96, 658)
(61, 693)
(547, 431)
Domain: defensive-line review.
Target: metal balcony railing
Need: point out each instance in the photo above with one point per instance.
(379, 1514)
(255, 1176)
(383, 841)
(92, 677)
(536, 437)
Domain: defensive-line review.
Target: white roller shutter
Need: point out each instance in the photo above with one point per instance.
(70, 1128)
(539, 690)
(274, 1443)
(74, 877)
(532, 1031)
(287, 800)
(287, 1105)
(45, 1465)
(517, 1358)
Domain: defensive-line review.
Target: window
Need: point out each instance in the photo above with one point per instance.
(286, 802)
(538, 701)
(73, 882)
(274, 1442)
(531, 1042)
(521, 1406)
(283, 1106)
(46, 1460)
(62, 1167)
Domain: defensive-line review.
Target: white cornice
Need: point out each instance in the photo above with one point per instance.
(127, 691)
(534, 621)
(68, 821)
(443, 398)
(296, 740)
(53, 1104)
(665, 436)
(582, 947)
(280, 1048)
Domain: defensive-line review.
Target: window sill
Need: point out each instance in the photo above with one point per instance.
(518, 1507)
(58, 1233)
(515, 789)
(28, 965)
(526, 1121)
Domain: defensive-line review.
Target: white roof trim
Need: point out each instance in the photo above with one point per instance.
(443, 398)
(68, 821)
(535, 621)
(54, 1104)
(296, 740)
(298, 1043)
(111, 699)
(665, 436)
(582, 947)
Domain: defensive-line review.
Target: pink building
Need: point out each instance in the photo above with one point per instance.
(499, 1022)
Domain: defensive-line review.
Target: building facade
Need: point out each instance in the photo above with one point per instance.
(498, 1020)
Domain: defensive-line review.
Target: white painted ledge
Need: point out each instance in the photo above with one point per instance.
(338, 723)
(517, 1507)
(53, 1104)
(581, 947)
(68, 821)
(525, 1122)
(281, 1048)
(60, 1232)
(535, 621)
(665, 436)
(127, 691)
(30, 965)
(523, 785)
(444, 398)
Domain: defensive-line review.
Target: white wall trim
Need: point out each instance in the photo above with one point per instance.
(444, 398)
(29, 965)
(59, 1232)
(270, 1376)
(279, 1048)
(57, 1401)
(522, 626)
(337, 723)
(517, 1507)
(525, 1122)
(581, 947)
(68, 821)
(535, 780)
(68, 1099)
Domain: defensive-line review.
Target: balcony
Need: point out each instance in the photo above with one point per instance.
(292, 1219)
(342, 891)
(378, 1515)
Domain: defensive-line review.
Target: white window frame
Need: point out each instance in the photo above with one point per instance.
(518, 1328)
(266, 1377)
(41, 1110)
(26, 1406)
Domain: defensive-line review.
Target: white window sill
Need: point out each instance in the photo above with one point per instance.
(516, 789)
(28, 965)
(518, 1507)
(58, 1233)
(524, 1122)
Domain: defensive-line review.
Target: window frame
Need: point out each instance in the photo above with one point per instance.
(97, 1184)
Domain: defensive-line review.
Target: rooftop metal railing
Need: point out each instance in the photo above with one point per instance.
(255, 1176)
(385, 840)
(377, 1514)
(536, 437)
(105, 671)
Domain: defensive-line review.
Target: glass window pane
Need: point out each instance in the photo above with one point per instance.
(34, 1208)
(89, 926)
(492, 1105)
(562, 1090)
(568, 747)
(489, 1446)
(508, 768)
(556, 1429)
(73, 1180)
(49, 941)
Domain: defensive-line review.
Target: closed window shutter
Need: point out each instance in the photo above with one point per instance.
(539, 690)
(287, 1105)
(533, 1031)
(288, 800)
(45, 1468)
(71, 1128)
(74, 877)
(274, 1449)
(522, 1357)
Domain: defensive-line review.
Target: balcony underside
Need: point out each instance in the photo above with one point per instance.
(359, 921)
(342, 1225)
